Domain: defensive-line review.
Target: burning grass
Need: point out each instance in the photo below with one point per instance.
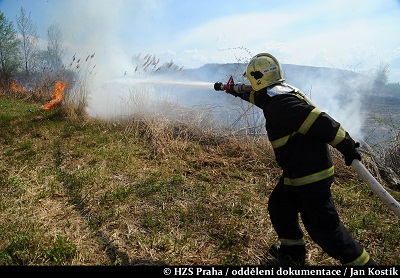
(151, 191)
(57, 97)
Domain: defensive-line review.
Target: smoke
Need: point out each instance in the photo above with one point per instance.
(341, 99)
(113, 31)
(102, 27)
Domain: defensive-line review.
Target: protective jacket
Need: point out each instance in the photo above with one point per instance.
(300, 135)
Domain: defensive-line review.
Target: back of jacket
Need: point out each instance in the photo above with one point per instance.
(300, 134)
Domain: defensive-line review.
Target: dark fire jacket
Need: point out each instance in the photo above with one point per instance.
(299, 134)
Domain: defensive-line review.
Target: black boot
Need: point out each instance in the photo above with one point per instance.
(371, 262)
(289, 255)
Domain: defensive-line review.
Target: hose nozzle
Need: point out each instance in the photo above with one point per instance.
(238, 88)
(219, 86)
(232, 87)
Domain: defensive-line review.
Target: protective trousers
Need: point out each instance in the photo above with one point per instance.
(320, 219)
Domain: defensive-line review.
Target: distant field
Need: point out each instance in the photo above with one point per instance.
(382, 119)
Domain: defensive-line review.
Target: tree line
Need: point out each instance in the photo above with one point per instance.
(20, 54)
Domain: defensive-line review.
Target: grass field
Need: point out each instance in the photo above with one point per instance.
(150, 191)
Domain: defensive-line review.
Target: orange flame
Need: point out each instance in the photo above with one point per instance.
(16, 88)
(57, 97)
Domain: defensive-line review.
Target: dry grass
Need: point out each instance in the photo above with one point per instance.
(150, 191)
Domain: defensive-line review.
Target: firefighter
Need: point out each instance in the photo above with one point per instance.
(300, 135)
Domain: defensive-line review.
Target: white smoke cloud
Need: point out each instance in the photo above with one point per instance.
(105, 28)
(343, 103)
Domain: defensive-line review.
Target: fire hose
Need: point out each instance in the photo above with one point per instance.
(357, 166)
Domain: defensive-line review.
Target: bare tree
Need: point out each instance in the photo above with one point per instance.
(55, 46)
(29, 39)
(381, 78)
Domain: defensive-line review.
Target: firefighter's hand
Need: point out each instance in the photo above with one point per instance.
(354, 154)
(235, 89)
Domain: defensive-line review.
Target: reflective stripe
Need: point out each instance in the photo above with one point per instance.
(340, 134)
(310, 178)
(281, 141)
(300, 97)
(303, 128)
(308, 122)
(291, 242)
(251, 97)
(362, 260)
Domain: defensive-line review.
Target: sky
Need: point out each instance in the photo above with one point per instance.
(356, 35)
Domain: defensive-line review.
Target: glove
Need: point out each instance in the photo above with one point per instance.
(353, 154)
(235, 89)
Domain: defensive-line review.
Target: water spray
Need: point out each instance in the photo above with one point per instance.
(206, 85)
(357, 166)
